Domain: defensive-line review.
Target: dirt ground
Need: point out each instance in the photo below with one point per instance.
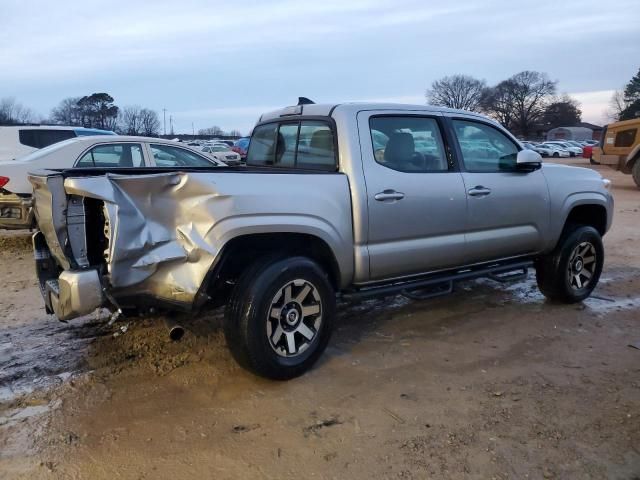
(490, 382)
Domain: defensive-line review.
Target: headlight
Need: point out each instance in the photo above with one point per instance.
(607, 183)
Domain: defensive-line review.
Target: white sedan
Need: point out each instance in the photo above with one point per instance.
(223, 153)
(108, 151)
(573, 150)
(556, 150)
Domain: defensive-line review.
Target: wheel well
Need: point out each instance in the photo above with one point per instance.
(592, 215)
(241, 251)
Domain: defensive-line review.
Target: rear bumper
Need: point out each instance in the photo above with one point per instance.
(15, 212)
(70, 293)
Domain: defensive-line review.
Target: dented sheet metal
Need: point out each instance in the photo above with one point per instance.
(165, 230)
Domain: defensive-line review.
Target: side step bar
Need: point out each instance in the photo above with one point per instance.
(500, 272)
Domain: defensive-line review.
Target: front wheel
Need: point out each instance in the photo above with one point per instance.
(280, 317)
(571, 272)
(556, 154)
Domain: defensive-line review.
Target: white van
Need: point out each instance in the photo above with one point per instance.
(18, 141)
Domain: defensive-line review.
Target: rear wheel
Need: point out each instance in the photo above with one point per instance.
(571, 272)
(280, 317)
(556, 154)
(635, 172)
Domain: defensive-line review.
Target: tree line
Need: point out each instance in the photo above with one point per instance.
(216, 131)
(523, 103)
(97, 110)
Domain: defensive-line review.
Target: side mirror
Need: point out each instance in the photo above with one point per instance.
(528, 159)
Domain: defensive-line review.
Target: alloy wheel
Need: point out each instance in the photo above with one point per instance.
(582, 266)
(294, 318)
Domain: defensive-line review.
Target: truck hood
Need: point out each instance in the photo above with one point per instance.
(569, 171)
(565, 181)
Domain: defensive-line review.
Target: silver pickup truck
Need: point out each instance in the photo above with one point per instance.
(343, 200)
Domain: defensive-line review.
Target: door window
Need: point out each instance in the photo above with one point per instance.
(408, 143)
(484, 148)
(113, 155)
(168, 156)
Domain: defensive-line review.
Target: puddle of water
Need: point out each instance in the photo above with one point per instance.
(602, 307)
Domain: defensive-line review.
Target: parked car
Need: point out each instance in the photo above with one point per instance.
(277, 240)
(113, 151)
(557, 151)
(18, 141)
(241, 146)
(222, 152)
(620, 148)
(542, 150)
(573, 150)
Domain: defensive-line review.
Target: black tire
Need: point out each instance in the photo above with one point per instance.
(556, 272)
(635, 172)
(251, 329)
(593, 162)
(556, 154)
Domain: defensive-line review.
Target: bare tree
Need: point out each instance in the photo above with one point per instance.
(457, 91)
(13, 112)
(617, 105)
(149, 122)
(129, 121)
(235, 133)
(520, 101)
(67, 112)
(215, 130)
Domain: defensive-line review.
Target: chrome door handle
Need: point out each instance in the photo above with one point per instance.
(388, 195)
(479, 191)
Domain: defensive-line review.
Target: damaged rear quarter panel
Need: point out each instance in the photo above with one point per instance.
(165, 230)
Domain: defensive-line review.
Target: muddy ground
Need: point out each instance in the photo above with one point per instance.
(490, 382)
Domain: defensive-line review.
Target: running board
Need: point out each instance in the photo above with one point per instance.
(436, 290)
(501, 272)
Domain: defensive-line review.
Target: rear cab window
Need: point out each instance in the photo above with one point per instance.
(303, 144)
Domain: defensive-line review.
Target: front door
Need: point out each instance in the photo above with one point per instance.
(416, 197)
(507, 208)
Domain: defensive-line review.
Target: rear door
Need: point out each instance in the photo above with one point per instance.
(507, 208)
(415, 194)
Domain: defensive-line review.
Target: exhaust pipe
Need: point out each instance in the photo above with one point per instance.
(176, 331)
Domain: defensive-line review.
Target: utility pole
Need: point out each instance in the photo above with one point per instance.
(193, 130)
(164, 120)
(171, 124)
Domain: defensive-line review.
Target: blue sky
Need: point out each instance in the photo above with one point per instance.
(223, 63)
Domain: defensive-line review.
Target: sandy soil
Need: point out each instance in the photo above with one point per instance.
(490, 382)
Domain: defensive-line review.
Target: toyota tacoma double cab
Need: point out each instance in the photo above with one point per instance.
(347, 200)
